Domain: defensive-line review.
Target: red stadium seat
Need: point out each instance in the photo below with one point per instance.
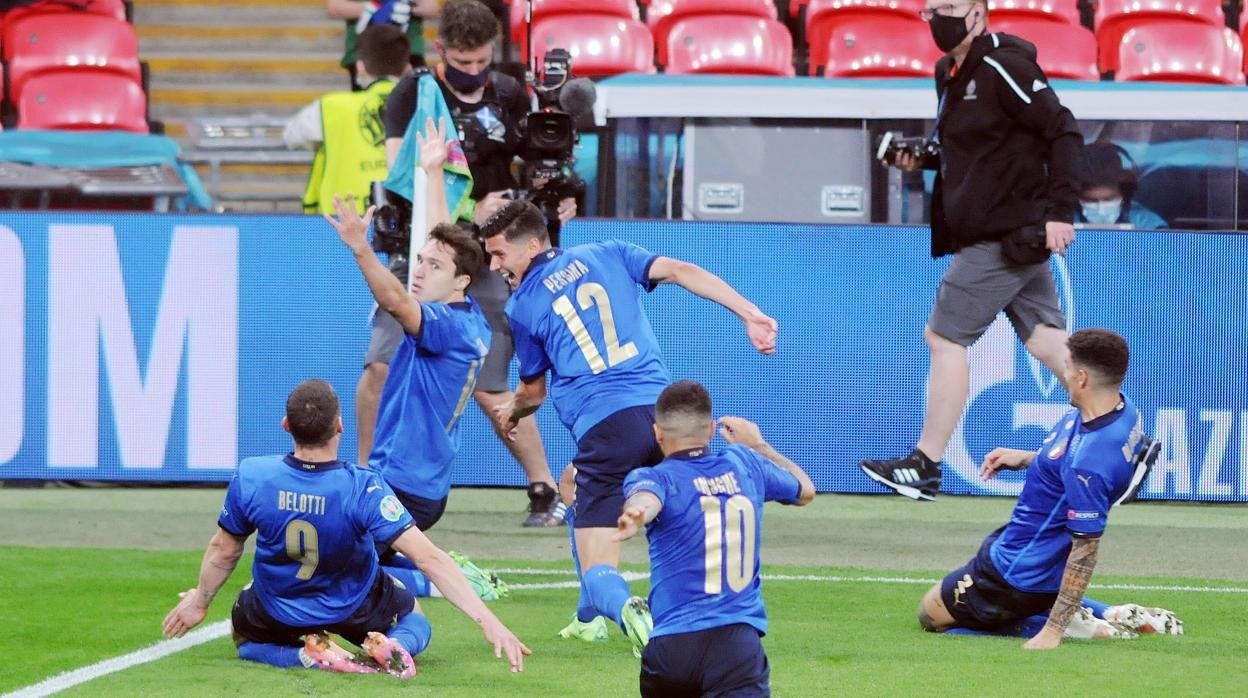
(880, 47)
(600, 45)
(662, 13)
(626, 9)
(107, 8)
(1066, 11)
(82, 100)
(42, 42)
(1178, 51)
(1063, 50)
(823, 15)
(1114, 17)
(729, 44)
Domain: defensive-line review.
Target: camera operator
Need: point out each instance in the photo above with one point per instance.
(1004, 198)
(487, 107)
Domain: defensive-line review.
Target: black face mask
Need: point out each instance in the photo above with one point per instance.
(948, 32)
(464, 83)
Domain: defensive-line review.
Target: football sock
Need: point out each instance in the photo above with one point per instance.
(274, 655)
(1098, 608)
(585, 611)
(413, 632)
(607, 591)
(415, 581)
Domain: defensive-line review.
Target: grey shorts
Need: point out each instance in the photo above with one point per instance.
(980, 283)
(490, 292)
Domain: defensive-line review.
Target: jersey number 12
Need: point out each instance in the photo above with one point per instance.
(588, 295)
(730, 542)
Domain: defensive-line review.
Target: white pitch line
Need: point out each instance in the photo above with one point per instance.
(220, 629)
(838, 579)
(161, 649)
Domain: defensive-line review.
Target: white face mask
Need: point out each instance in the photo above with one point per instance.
(1102, 212)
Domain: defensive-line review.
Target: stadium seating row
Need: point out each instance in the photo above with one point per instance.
(73, 66)
(1168, 40)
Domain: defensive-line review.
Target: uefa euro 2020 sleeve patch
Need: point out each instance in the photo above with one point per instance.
(390, 508)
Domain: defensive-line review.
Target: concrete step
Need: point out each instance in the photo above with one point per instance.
(271, 71)
(317, 37)
(208, 13)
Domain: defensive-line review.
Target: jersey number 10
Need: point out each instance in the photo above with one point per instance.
(588, 295)
(730, 542)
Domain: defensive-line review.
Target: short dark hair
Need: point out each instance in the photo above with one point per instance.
(1102, 352)
(467, 251)
(384, 50)
(517, 220)
(465, 25)
(1101, 165)
(312, 413)
(684, 402)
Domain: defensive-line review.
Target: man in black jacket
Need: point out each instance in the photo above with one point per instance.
(1004, 197)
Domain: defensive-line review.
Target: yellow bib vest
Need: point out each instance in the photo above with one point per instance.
(352, 153)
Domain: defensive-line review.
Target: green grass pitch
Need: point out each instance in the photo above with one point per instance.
(87, 575)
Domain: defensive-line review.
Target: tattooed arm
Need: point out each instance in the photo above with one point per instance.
(1079, 566)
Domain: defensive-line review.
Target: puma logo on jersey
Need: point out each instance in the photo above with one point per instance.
(1085, 479)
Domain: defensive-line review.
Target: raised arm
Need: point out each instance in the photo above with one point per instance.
(220, 559)
(738, 430)
(445, 575)
(387, 289)
(1079, 566)
(760, 328)
(433, 154)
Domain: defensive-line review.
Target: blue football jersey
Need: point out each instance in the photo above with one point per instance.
(1079, 472)
(431, 379)
(578, 314)
(704, 543)
(315, 524)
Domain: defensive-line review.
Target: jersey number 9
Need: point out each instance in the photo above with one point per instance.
(301, 546)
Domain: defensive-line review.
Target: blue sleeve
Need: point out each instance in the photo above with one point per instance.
(645, 480)
(1088, 499)
(779, 485)
(379, 511)
(529, 349)
(439, 328)
(637, 260)
(233, 518)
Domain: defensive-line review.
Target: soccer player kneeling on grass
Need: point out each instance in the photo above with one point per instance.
(316, 570)
(703, 511)
(1030, 575)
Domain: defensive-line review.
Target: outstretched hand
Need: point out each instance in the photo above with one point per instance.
(762, 331)
(350, 226)
(629, 523)
(186, 615)
(1001, 458)
(506, 642)
(434, 149)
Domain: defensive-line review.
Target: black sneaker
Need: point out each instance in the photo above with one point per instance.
(545, 509)
(915, 476)
(1144, 460)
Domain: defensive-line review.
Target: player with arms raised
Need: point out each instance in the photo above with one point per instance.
(577, 314)
(703, 512)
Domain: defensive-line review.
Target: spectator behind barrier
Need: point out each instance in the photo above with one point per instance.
(1107, 189)
(361, 14)
(351, 123)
